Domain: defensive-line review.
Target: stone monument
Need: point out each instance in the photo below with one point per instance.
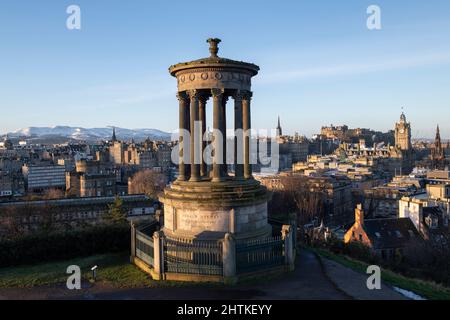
(206, 201)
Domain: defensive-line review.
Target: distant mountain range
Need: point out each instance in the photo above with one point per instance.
(85, 134)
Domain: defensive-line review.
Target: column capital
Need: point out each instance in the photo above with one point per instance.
(182, 96)
(193, 94)
(238, 95)
(217, 93)
(246, 95)
(203, 97)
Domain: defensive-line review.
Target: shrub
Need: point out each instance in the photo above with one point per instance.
(44, 247)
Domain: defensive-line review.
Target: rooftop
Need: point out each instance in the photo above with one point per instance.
(214, 61)
(390, 233)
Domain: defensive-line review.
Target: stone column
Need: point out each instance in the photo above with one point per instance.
(195, 145)
(183, 105)
(218, 128)
(202, 118)
(238, 138)
(229, 259)
(247, 133)
(224, 135)
(187, 144)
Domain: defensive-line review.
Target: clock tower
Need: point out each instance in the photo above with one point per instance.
(403, 134)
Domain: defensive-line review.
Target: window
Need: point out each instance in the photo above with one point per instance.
(360, 237)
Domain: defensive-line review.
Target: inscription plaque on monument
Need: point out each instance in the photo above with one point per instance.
(197, 220)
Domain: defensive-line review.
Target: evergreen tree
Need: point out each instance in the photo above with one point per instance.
(116, 213)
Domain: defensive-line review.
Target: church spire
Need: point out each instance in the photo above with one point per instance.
(279, 130)
(437, 153)
(114, 139)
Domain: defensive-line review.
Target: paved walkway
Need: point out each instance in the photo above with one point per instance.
(354, 283)
(311, 280)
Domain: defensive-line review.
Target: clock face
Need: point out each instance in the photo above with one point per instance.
(402, 130)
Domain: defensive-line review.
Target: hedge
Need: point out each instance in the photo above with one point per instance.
(38, 248)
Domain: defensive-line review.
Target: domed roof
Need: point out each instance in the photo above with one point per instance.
(214, 61)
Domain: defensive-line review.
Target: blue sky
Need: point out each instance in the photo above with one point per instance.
(320, 65)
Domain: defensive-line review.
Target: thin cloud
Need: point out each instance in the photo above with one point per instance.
(357, 68)
(140, 91)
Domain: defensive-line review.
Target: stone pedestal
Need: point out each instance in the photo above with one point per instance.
(208, 210)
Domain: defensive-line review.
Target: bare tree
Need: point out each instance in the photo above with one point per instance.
(308, 198)
(53, 194)
(147, 182)
(19, 220)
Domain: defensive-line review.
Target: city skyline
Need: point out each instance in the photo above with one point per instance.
(320, 63)
(270, 144)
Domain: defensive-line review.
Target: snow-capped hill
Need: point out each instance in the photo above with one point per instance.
(90, 134)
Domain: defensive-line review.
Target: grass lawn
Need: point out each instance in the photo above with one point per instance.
(426, 289)
(114, 270)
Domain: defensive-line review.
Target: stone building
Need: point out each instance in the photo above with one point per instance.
(383, 201)
(147, 159)
(72, 213)
(437, 156)
(6, 185)
(403, 134)
(116, 152)
(429, 212)
(91, 178)
(387, 238)
(398, 159)
(44, 176)
(335, 194)
(334, 132)
(164, 155)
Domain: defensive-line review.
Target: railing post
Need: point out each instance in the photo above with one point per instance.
(229, 259)
(286, 233)
(293, 224)
(158, 254)
(133, 241)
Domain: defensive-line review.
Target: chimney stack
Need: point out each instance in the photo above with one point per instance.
(359, 215)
